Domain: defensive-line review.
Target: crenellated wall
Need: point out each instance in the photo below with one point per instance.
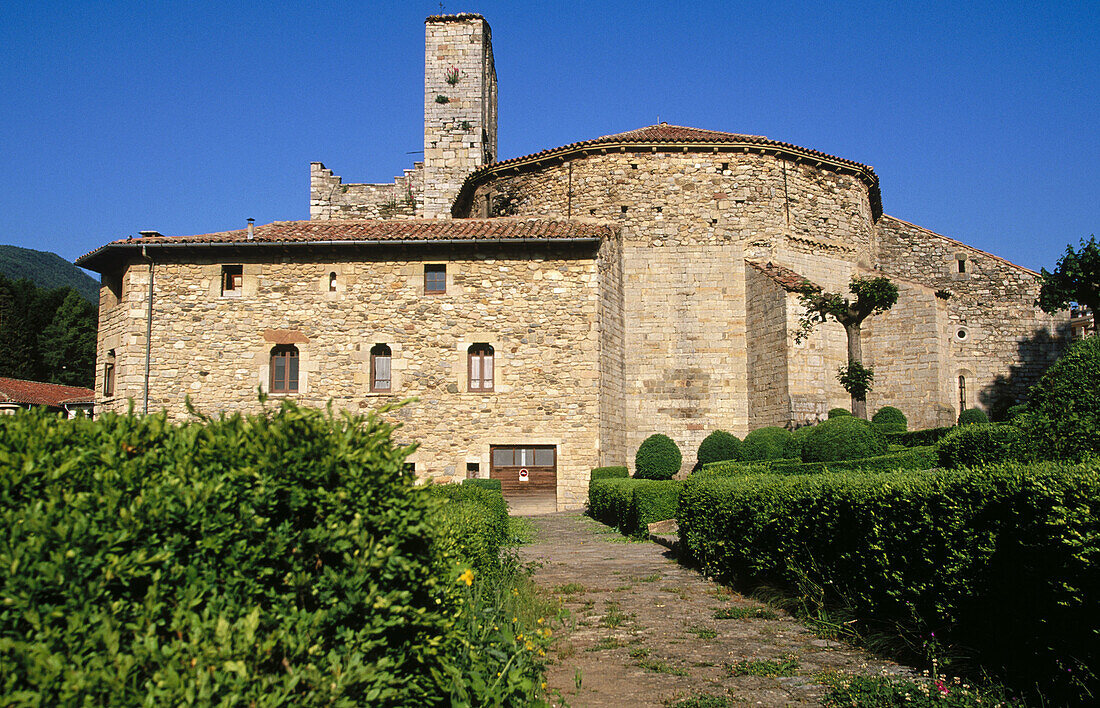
(330, 198)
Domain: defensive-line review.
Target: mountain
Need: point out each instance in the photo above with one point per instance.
(47, 270)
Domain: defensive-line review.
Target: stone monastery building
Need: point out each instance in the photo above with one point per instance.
(550, 311)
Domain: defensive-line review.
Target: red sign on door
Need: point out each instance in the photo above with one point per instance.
(523, 475)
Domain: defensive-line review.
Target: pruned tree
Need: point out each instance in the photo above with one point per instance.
(872, 296)
(1076, 279)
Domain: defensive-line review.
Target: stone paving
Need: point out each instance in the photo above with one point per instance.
(645, 631)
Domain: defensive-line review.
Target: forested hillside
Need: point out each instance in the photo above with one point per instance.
(46, 270)
(46, 334)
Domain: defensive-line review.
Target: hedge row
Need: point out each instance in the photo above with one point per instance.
(609, 473)
(1003, 560)
(630, 505)
(472, 523)
(915, 438)
(916, 458)
(284, 558)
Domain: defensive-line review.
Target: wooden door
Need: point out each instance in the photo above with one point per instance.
(527, 473)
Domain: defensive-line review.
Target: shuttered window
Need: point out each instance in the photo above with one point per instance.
(481, 367)
(284, 369)
(380, 359)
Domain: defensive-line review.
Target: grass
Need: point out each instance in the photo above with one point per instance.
(848, 690)
(786, 666)
(702, 632)
(659, 667)
(569, 589)
(704, 700)
(737, 613)
(521, 531)
(646, 579)
(607, 644)
(614, 617)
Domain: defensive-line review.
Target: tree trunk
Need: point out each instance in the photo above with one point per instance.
(855, 354)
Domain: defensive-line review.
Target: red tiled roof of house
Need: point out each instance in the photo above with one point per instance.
(42, 394)
(692, 139)
(340, 231)
(783, 276)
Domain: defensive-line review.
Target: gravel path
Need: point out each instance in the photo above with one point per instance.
(645, 631)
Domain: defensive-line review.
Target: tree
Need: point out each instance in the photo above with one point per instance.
(872, 296)
(1076, 279)
(67, 344)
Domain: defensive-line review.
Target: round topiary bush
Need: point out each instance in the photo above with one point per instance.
(890, 420)
(718, 447)
(1015, 412)
(977, 444)
(973, 416)
(658, 457)
(838, 412)
(765, 444)
(843, 438)
(793, 448)
(1063, 416)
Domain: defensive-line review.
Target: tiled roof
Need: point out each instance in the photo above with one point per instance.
(337, 231)
(693, 139)
(783, 276)
(42, 394)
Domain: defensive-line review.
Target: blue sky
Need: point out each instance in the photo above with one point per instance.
(981, 119)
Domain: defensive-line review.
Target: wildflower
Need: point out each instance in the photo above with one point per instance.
(540, 620)
(467, 577)
(942, 687)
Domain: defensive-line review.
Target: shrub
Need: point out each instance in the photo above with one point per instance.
(718, 447)
(491, 484)
(793, 448)
(842, 438)
(765, 444)
(1063, 421)
(914, 458)
(609, 499)
(890, 420)
(914, 438)
(630, 505)
(837, 412)
(994, 559)
(658, 457)
(977, 444)
(1015, 412)
(274, 559)
(973, 416)
(608, 473)
(472, 521)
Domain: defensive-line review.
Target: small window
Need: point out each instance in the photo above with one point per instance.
(232, 279)
(962, 264)
(472, 470)
(435, 279)
(962, 394)
(481, 367)
(725, 166)
(113, 283)
(109, 374)
(380, 368)
(623, 208)
(284, 369)
(332, 282)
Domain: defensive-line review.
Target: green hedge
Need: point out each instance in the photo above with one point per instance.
(492, 484)
(472, 521)
(284, 558)
(718, 447)
(890, 420)
(916, 438)
(1063, 416)
(765, 443)
(1003, 560)
(609, 473)
(842, 438)
(916, 458)
(630, 505)
(658, 457)
(973, 416)
(978, 444)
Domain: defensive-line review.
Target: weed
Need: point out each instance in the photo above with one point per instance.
(647, 579)
(606, 644)
(702, 632)
(622, 588)
(675, 590)
(703, 700)
(765, 667)
(846, 690)
(639, 653)
(736, 613)
(521, 532)
(569, 589)
(659, 667)
(614, 617)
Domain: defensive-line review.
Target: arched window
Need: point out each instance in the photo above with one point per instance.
(284, 369)
(480, 357)
(332, 282)
(380, 368)
(962, 393)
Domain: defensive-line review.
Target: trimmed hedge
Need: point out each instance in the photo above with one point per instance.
(283, 558)
(630, 505)
(890, 420)
(484, 483)
(916, 438)
(973, 416)
(658, 457)
(842, 438)
(838, 412)
(765, 443)
(718, 447)
(608, 473)
(970, 445)
(793, 448)
(1063, 418)
(472, 521)
(1005, 560)
(916, 458)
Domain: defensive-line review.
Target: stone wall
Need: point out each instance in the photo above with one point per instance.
(460, 115)
(330, 198)
(766, 319)
(612, 335)
(123, 298)
(538, 307)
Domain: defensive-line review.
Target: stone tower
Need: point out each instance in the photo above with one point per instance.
(460, 107)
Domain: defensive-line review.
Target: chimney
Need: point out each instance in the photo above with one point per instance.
(251, 229)
(147, 234)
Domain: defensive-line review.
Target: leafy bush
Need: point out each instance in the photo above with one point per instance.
(1063, 421)
(608, 473)
(915, 458)
(472, 522)
(973, 416)
(491, 484)
(765, 444)
(1005, 560)
(842, 438)
(284, 558)
(890, 420)
(630, 505)
(718, 447)
(977, 444)
(837, 412)
(793, 448)
(1016, 411)
(658, 457)
(915, 438)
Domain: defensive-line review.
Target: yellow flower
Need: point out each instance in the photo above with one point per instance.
(467, 577)
(541, 620)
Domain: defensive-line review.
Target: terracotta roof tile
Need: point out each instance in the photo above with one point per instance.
(374, 230)
(783, 276)
(43, 394)
(664, 133)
